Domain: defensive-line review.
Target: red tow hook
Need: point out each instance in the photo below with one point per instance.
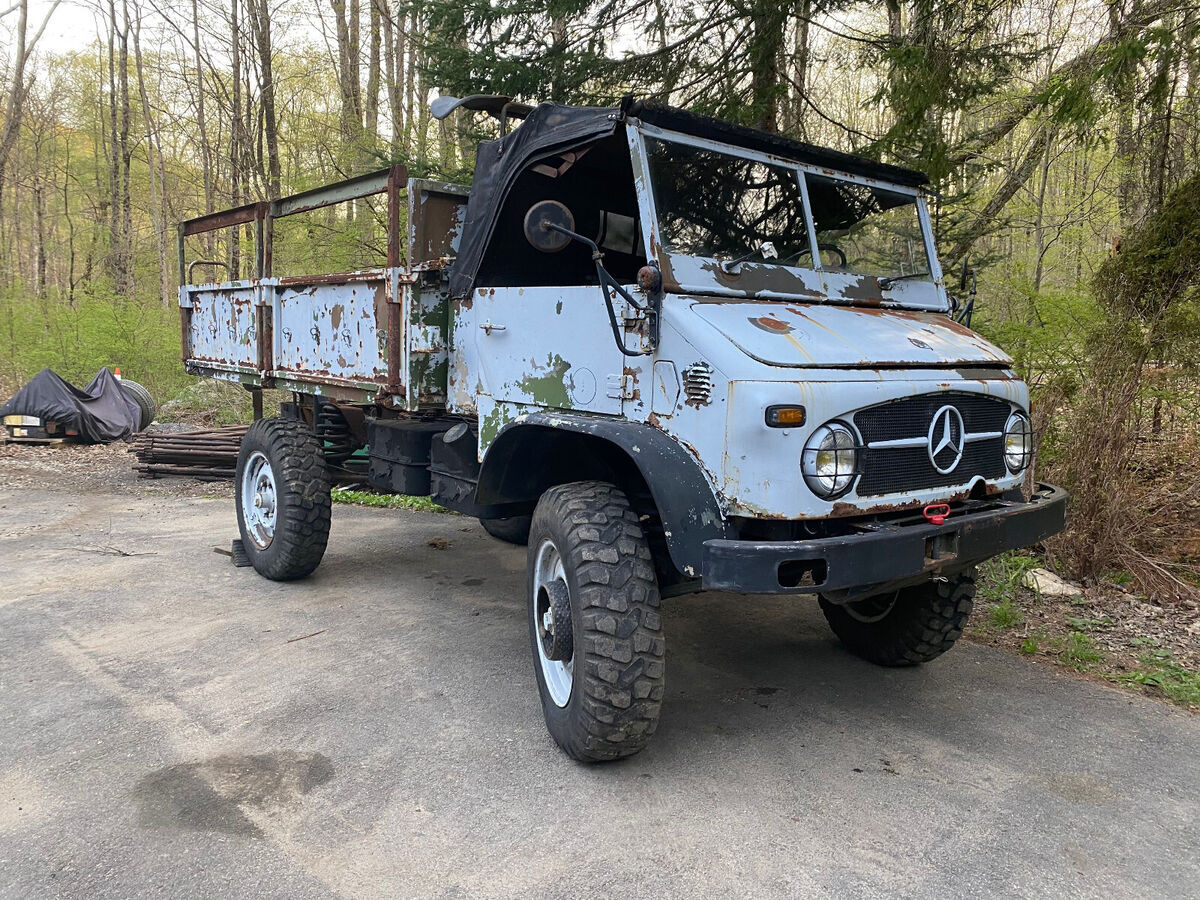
(935, 513)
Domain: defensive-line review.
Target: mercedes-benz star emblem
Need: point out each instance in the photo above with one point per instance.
(946, 434)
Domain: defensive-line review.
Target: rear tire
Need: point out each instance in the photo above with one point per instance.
(513, 530)
(282, 498)
(602, 701)
(906, 627)
(144, 401)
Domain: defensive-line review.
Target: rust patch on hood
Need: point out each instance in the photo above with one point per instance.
(771, 324)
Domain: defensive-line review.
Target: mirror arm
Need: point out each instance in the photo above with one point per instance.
(607, 284)
(964, 317)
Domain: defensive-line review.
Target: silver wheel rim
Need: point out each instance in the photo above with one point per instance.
(558, 675)
(873, 609)
(259, 500)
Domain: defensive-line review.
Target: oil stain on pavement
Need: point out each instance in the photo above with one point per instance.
(208, 795)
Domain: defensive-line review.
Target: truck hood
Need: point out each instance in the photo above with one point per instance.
(822, 336)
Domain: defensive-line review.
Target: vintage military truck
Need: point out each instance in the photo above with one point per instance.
(668, 353)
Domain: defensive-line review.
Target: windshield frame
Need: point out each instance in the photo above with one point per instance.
(766, 279)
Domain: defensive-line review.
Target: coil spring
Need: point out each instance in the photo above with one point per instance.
(334, 433)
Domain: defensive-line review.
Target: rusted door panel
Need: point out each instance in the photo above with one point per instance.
(222, 327)
(551, 347)
(333, 330)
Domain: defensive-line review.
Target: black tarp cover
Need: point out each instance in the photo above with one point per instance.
(101, 412)
(552, 128)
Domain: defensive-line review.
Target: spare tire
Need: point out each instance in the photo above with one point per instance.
(144, 401)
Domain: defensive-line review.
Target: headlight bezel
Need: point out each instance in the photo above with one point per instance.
(842, 440)
(1018, 427)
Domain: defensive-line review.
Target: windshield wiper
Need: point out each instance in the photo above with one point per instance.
(885, 283)
(766, 248)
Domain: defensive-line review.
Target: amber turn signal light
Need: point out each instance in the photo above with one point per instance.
(785, 416)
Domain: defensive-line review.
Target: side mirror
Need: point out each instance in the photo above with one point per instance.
(963, 274)
(538, 221)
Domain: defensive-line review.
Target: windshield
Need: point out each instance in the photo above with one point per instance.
(714, 205)
(867, 230)
(719, 206)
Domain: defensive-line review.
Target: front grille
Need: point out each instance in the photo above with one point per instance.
(891, 470)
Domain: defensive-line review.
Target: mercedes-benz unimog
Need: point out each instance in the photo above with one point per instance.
(667, 353)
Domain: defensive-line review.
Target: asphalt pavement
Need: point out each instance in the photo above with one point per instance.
(172, 726)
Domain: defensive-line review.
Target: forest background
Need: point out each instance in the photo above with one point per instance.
(1062, 138)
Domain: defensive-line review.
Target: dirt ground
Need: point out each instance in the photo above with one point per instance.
(1105, 633)
(95, 467)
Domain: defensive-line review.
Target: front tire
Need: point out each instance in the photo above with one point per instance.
(283, 499)
(601, 686)
(906, 627)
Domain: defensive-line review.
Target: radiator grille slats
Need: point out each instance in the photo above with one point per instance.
(894, 470)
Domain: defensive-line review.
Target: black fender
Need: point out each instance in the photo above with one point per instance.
(527, 457)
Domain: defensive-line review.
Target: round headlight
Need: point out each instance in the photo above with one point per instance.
(829, 460)
(1018, 442)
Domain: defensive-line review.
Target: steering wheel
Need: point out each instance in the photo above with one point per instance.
(824, 248)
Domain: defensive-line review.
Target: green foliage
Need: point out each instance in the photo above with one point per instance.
(386, 501)
(99, 329)
(946, 62)
(534, 49)
(1005, 614)
(1166, 676)
(999, 584)
(1079, 651)
(1148, 294)
(1029, 646)
(999, 579)
(1154, 281)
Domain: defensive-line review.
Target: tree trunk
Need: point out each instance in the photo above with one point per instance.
(393, 62)
(764, 52)
(260, 19)
(346, 27)
(371, 102)
(1039, 231)
(236, 136)
(157, 174)
(202, 124)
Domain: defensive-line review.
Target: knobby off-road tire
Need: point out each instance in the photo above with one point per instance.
(905, 627)
(144, 401)
(514, 530)
(280, 465)
(616, 674)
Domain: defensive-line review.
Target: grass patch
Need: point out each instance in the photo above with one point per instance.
(386, 501)
(1162, 674)
(1000, 578)
(999, 584)
(1005, 614)
(1079, 651)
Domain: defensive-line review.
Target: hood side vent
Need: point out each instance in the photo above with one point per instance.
(698, 384)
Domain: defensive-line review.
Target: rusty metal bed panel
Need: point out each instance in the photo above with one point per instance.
(330, 333)
(331, 329)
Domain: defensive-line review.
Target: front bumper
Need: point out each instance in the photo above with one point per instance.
(884, 553)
